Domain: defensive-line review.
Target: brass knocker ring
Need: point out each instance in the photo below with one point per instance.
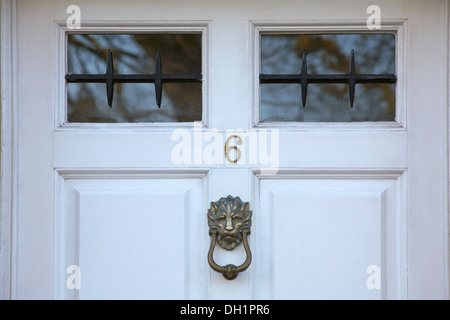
(230, 271)
(229, 221)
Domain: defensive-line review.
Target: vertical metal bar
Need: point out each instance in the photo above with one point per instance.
(352, 80)
(158, 81)
(109, 79)
(304, 78)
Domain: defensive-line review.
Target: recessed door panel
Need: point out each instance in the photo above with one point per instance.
(125, 236)
(328, 238)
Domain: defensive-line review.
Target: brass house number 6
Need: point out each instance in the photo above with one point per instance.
(228, 148)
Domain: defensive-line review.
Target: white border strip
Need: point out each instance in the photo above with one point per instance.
(8, 224)
(447, 146)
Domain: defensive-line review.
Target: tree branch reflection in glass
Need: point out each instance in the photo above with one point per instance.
(327, 54)
(134, 54)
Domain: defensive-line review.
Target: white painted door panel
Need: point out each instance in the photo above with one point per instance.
(326, 235)
(127, 234)
(344, 200)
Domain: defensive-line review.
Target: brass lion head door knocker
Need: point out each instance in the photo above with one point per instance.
(229, 221)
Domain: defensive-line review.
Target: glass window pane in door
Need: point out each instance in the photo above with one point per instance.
(134, 54)
(327, 54)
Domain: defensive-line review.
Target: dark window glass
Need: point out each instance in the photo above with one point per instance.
(327, 54)
(134, 54)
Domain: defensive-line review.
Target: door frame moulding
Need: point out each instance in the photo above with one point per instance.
(447, 148)
(8, 225)
(64, 242)
(398, 27)
(394, 283)
(111, 26)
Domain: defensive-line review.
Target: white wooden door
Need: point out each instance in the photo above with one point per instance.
(340, 210)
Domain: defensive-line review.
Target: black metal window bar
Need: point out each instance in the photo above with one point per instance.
(110, 78)
(304, 78)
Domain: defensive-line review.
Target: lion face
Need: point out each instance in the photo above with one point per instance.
(229, 216)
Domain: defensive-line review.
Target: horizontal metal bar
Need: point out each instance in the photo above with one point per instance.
(327, 78)
(133, 78)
